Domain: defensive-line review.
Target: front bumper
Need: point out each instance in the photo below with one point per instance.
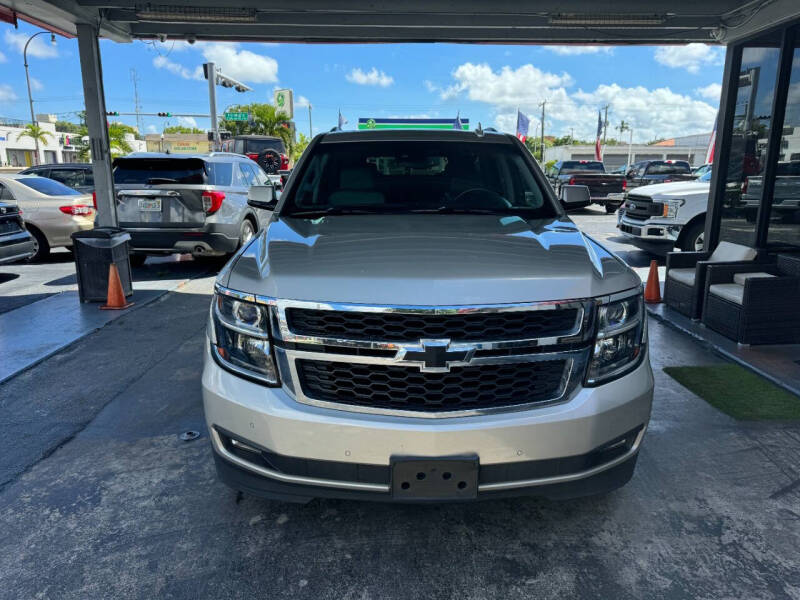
(16, 246)
(548, 450)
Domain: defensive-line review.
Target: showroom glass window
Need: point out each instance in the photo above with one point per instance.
(751, 122)
(784, 217)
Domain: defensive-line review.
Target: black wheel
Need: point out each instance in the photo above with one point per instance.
(611, 208)
(692, 237)
(137, 260)
(246, 232)
(270, 161)
(40, 246)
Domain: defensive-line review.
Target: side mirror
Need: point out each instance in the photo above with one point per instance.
(575, 194)
(262, 196)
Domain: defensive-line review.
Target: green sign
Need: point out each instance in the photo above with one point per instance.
(236, 116)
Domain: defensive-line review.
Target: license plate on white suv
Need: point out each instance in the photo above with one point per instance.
(150, 204)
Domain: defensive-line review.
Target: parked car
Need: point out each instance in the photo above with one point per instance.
(51, 210)
(15, 241)
(78, 176)
(648, 172)
(785, 196)
(592, 174)
(659, 218)
(421, 321)
(187, 203)
(267, 150)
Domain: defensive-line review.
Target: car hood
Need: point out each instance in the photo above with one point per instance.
(677, 188)
(426, 260)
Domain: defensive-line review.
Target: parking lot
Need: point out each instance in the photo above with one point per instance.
(96, 485)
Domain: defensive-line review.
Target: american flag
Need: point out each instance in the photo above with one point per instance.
(711, 143)
(598, 150)
(523, 124)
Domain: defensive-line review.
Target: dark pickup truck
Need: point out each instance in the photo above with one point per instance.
(647, 172)
(604, 188)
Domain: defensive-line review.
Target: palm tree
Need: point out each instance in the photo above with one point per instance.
(116, 139)
(263, 121)
(37, 134)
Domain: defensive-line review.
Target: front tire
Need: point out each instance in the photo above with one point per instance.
(693, 237)
(41, 246)
(611, 208)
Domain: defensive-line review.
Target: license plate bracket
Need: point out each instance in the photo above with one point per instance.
(454, 478)
(150, 204)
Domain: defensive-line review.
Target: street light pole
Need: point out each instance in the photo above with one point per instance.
(28, 80)
(310, 130)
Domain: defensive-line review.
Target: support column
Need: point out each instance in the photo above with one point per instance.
(95, 103)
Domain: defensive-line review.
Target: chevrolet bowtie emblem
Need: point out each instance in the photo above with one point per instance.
(436, 356)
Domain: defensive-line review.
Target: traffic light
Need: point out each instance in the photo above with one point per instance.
(112, 113)
(164, 114)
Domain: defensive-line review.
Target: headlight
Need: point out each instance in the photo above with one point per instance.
(671, 208)
(621, 335)
(240, 339)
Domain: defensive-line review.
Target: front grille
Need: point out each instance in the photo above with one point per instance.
(642, 207)
(404, 388)
(406, 327)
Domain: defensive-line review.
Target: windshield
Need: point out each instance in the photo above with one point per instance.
(256, 146)
(665, 168)
(156, 171)
(48, 187)
(417, 177)
(581, 166)
(705, 176)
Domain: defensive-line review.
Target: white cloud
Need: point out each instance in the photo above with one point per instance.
(711, 91)
(187, 121)
(690, 57)
(151, 129)
(302, 102)
(242, 65)
(575, 50)
(371, 77)
(7, 93)
(162, 62)
(2, 57)
(36, 85)
(652, 113)
(40, 46)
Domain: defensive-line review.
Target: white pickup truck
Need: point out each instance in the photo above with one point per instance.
(660, 217)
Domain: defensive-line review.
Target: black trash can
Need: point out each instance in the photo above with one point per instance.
(95, 250)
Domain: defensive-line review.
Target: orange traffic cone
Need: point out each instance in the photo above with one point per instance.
(116, 297)
(652, 291)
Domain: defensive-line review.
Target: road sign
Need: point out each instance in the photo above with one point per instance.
(284, 103)
(236, 116)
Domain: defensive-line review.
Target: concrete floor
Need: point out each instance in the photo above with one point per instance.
(99, 498)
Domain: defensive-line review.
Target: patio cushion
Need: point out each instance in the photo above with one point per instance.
(728, 252)
(684, 276)
(732, 292)
(740, 278)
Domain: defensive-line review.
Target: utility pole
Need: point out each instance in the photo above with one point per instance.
(211, 73)
(543, 105)
(605, 125)
(136, 106)
(571, 135)
(310, 129)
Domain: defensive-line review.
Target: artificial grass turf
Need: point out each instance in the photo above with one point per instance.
(738, 392)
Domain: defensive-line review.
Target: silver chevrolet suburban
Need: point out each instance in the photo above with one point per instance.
(421, 322)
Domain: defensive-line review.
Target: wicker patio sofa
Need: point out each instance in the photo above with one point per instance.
(756, 303)
(684, 283)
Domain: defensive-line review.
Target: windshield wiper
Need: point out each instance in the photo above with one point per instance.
(157, 180)
(454, 210)
(332, 210)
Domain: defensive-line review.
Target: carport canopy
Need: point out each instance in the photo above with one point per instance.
(362, 21)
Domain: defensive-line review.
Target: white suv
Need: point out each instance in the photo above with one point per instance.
(420, 321)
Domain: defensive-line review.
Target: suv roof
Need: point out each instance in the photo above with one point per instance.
(253, 136)
(73, 165)
(445, 135)
(210, 156)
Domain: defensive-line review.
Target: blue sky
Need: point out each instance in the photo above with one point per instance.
(661, 91)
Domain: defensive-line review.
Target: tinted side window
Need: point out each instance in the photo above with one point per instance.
(249, 174)
(238, 146)
(219, 173)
